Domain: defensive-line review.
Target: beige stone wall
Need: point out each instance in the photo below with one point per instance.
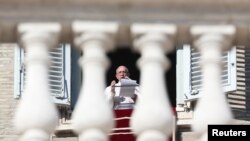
(7, 102)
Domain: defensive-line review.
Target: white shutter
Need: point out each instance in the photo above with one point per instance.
(192, 77)
(18, 71)
(239, 99)
(59, 74)
(182, 74)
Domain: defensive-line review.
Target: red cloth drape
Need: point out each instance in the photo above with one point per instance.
(122, 118)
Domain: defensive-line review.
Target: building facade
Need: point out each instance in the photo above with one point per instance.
(151, 31)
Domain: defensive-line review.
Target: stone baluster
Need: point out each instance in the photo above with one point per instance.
(93, 116)
(36, 116)
(212, 107)
(152, 118)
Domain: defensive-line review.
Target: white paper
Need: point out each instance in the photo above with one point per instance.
(127, 87)
(128, 82)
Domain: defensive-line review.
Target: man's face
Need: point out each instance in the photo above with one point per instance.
(121, 72)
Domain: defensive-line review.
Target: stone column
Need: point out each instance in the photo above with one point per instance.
(212, 107)
(93, 117)
(36, 116)
(152, 118)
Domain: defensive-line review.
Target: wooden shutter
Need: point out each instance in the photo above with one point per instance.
(182, 74)
(18, 71)
(238, 99)
(192, 76)
(59, 74)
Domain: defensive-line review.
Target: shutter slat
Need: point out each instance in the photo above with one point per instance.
(233, 96)
(240, 102)
(55, 67)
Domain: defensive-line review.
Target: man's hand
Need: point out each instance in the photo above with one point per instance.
(112, 85)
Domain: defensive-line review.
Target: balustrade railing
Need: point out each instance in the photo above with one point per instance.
(152, 118)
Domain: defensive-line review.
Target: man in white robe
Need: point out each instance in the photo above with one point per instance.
(112, 92)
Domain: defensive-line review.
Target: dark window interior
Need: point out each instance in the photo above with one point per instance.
(126, 56)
